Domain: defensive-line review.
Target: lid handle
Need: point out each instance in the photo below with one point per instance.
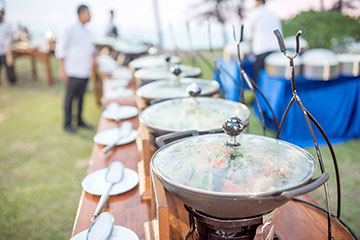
(170, 137)
(233, 126)
(167, 58)
(153, 51)
(176, 70)
(193, 90)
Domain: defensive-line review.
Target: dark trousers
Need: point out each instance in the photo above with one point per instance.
(75, 89)
(9, 69)
(259, 64)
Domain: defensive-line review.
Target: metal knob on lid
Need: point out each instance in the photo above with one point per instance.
(176, 70)
(168, 58)
(153, 51)
(193, 90)
(233, 126)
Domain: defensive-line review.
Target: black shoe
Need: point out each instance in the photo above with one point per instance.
(85, 125)
(70, 129)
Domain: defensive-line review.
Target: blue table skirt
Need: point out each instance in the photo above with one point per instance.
(227, 84)
(334, 104)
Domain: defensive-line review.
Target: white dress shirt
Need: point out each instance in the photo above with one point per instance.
(5, 37)
(77, 49)
(259, 29)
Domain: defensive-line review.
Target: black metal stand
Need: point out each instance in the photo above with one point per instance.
(309, 118)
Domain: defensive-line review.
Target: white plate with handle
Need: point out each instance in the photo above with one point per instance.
(116, 112)
(119, 233)
(95, 182)
(117, 136)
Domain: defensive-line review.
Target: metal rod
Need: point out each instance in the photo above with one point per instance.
(267, 103)
(306, 117)
(209, 37)
(324, 210)
(337, 174)
(321, 163)
(284, 117)
(192, 226)
(261, 114)
(250, 82)
(239, 60)
(193, 58)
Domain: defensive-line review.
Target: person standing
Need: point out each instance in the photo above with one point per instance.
(76, 53)
(111, 28)
(6, 57)
(259, 31)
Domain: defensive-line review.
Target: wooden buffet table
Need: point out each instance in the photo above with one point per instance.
(296, 220)
(34, 55)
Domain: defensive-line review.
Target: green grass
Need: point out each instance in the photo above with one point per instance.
(41, 167)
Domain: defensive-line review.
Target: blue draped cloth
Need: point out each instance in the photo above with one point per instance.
(334, 104)
(231, 85)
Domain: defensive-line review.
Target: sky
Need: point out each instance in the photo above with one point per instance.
(135, 18)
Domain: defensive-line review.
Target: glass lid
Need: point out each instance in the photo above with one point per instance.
(194, 113)
(349, 58)
(248, 165)
(319, 57)
(153, 61)
(173, 89)
(166, 73)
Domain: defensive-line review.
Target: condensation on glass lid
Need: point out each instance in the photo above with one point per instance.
(181, 115)
(260, 165)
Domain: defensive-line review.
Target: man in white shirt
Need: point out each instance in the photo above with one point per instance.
(5, 51)
(76, 53)
(259, 30)
(111, 30)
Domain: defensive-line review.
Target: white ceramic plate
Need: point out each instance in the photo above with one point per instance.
(96, 184)
(119, 233)
(108, 137)
(117, 112)
(118, 93)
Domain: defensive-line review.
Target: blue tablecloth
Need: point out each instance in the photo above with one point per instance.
(227, 84)
(335, 105)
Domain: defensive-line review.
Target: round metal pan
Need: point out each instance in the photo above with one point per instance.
(164, 89)
(153, 61)
(148, 75)
(276, 65)
(349, 64)
(233, 205)
(172, 112)
(320, 65)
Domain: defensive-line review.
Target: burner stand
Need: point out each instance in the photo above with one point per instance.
(210, 228)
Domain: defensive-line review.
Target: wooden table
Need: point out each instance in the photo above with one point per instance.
(296, 221)
(34, 55)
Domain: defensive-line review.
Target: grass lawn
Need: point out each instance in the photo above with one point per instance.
(41, 167)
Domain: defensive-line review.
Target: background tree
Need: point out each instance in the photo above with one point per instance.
(320, 29)
(220, 11)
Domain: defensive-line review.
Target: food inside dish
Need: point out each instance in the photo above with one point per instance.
(259, 165)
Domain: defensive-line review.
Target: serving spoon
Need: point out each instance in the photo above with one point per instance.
(124, 131)
(101, 228)
(114, 175)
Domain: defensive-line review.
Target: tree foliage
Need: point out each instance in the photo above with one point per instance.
(320, 29)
